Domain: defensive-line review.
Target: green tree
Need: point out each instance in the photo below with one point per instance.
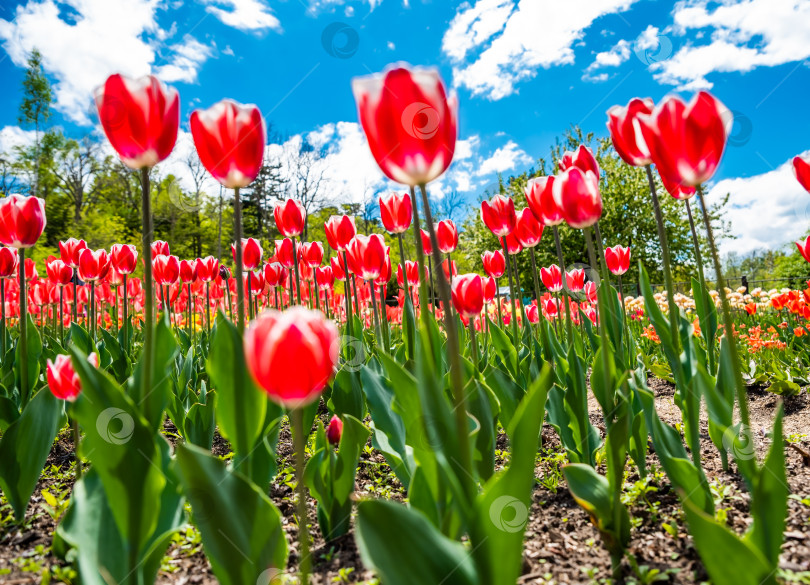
(35, 108)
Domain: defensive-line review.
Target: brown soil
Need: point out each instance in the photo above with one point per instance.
(561, 545)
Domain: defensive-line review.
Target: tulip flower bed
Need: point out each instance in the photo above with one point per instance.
(281, 423)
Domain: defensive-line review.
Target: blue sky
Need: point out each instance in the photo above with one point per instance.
(524, 71)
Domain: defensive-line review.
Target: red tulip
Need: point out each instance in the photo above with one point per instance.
(70, 250)
(490, 289)
(575, 280)
(124, 258)
(9, 261)
(617, 259)
(447, 235)
(624, 130)
(166, 269)
(447, 266)
(427, 244)
(513, 244)
(367, 255)
(551, 306)
(340, 230)
(188, 271)
(337, 269)
(410, 123)
(527, 229)
(804, 248)
(63, 381)
(334, 430)
(230, 138)
(160, 248)
(93, 264)
(275, 340)
(801, 168)
(494, 263)
(396, 212)
(290, 218)
(140, 118)
(540, 197)
(207, 268)
(552, 278)
(498, 215)
(251, 253)
(411, 271)
(686, 142)
(22, 220)
(467, 293)
(30, 269)
(582, 158)
(326, 278)
(312, 253)
(256, 282)
(674, 188)
(275, 274)
(385, 273)
(532, 314)
(58, 272)
(576, 193)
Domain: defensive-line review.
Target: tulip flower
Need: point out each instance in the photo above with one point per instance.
(140, 118)
(552, 278)
(551, 306)
(188, 271)
(337, 269)
(396, 212)
(686, 142)
(166, 269)
(527, 229)
(93, 264)
(494, 263)
(447, 235)
(409, 122)
(124, 258)
(312, 253)
(325, 277)
(251, 253)
(367, 254)
(70, 250)
(581, 158)
(624, 130)
(590, 290)
(676, 190)
(411, 271)
(275, 274)
(540, 197)
(576, 193)
(334, 430)
(160, 248)
(467, 294)
(804, 248)
(340, 230)
(22, 220)
(63, 381)
(617, 259)
(230, 139)
(513, 244)
(290, 218)
(285, 252)
(207, 268)
(58, 272)
(447, 267)
(499, 215)
(575, 280)
(8, 262)
(490, 289)
(427, 245)
(31, 269)
(532, 314)
(801, 168)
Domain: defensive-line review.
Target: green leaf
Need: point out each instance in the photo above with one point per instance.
(241, 405)
(154, 402)
(404, 548)
(79, 338)
(24, 448)
(240, 527)
(34, 353)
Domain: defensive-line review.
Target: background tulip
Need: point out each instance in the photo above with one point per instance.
(494, 263)
(467, 294)
(447, 235)
(93, 264)
(527, 229)
(8, 262)
(340, 230)
(58, 272)
(166, 269)
(140, 118)
(70, 250)
(63, 381)
(499, 215)
(617, 259)
(801, 168)
(367, 254)
(207, 268)
(581, 158)
(290, 217)
(552, 278)
(334, 430)
(22, 220)
(124, 258)
(159, 248)
(625, 133)
(576, 193)
(396, 212)
(540, 197)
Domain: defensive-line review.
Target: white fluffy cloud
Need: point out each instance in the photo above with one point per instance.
(13, 136)
(505, 158)
(497, 43)
(84, 41)
(764, 211)
(246, 15)
(736, 36)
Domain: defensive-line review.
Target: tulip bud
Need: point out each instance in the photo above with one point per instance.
(334, 430)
